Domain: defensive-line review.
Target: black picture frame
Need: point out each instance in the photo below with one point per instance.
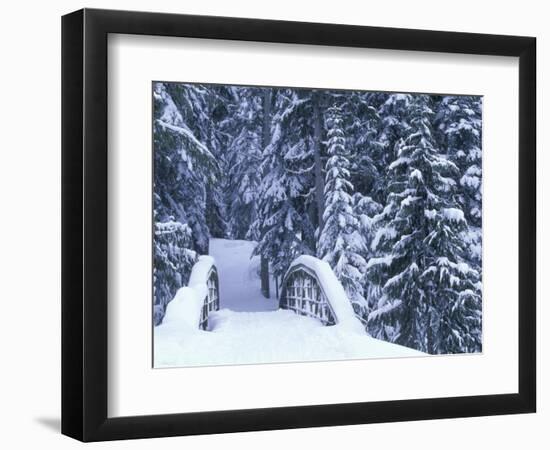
(85, 236)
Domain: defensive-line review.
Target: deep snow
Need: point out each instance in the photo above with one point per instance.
(250, 329)
(265, 337)
(239, 276)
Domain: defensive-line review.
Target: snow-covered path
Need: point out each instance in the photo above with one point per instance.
(250, 329)
(265, 337)
(238, 276)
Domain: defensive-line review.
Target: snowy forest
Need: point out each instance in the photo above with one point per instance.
(384, 187)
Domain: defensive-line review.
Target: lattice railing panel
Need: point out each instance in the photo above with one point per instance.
(302, 293)
(212, 299)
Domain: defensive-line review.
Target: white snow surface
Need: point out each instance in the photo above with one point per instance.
(453, 214)
(250, 329)
(186, 133)
(265, 337)
(185, 307)
(382, 260)
(184, 310)
(239, 276)
(199, 273)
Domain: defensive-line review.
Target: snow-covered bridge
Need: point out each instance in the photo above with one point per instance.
(221, 317)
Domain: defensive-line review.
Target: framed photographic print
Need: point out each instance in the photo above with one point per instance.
(274, 224)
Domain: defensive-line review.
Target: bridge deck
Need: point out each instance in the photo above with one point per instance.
(265, 337)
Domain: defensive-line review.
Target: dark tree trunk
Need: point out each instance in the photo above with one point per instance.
(266, 138)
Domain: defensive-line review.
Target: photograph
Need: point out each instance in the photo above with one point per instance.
(306, 224)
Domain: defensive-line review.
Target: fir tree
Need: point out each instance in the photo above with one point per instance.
(184, 166)
(366, 209)
(427, 283)
(387, 189)
(340, 243)
(172, 263)
(244, 155)
(362, 126)
(460, 132)
(452, 286)
(394, 113)
(283, 224)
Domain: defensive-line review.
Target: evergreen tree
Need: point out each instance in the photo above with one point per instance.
(421, 191)
(283, 224)
(366, 209)
(184, 166)
(340, 243)
(211, 131)
(244, 155)
(172, 263)
(394, 112)
(452, 285)
(362, 125)
(385, 187)
(460, 133)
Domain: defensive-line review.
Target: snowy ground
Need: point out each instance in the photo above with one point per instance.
(239, 281)
(265, 337)
(250, 329)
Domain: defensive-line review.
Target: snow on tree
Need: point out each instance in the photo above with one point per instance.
(172, 263)
(394, 113)
(244, 155)
(217, 134)
(384, 187)
(460, 131)
(452, 285)
(340, 242)
(366, 209)
(362, 125)
(283, 224)
(419, 233)
(184, 165)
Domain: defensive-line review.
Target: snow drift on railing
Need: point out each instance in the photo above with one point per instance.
(188, 302)
(201, 269)
(336, 295)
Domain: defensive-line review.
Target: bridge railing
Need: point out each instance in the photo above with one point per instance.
(193, 303)
(204, 279)
(310, 288)
(303, 294)
(212, 300)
